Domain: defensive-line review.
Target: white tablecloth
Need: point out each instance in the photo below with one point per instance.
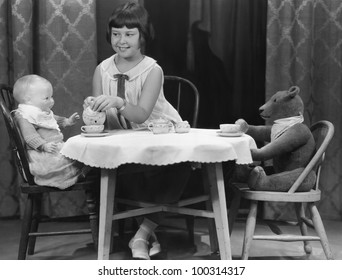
(144, 147)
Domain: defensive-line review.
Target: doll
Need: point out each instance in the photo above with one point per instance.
(40, 129)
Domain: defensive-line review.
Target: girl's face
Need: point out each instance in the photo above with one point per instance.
(126, 42)
(41, 96)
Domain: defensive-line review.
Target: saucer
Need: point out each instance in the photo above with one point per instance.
(229, 134)
(100, 134)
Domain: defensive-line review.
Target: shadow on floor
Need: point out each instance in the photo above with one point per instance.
(174, 240)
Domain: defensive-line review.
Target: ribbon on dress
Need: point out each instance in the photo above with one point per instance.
(121, 78)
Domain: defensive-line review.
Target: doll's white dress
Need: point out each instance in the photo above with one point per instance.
(48, 169)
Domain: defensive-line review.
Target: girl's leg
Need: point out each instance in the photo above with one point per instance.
(139, 242)
(161, 184)
(155, 245)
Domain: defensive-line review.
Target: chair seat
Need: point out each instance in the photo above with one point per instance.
(82, 185)
(311, 196)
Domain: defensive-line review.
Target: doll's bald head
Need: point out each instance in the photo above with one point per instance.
(25, 86)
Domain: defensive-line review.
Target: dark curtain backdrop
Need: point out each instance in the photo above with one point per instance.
(228, 58)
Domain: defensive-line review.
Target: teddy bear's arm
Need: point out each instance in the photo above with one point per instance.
(289, 141)
(260, 133)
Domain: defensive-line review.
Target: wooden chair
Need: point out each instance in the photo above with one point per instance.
(32, 212)
(323, 132)
(184, 96)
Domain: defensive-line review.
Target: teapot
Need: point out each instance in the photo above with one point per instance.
(91, 117)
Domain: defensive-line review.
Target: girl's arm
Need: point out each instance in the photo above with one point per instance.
(149, 95)
(134, 113)
(97, 88)
(97, 82)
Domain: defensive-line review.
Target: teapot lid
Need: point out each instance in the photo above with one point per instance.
(91, 112)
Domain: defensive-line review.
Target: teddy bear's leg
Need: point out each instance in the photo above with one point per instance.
(241, 173)
(280, 182)
(258, 180)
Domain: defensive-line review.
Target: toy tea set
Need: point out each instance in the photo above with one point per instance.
(161, 126)
(230, 130)
(94, 124)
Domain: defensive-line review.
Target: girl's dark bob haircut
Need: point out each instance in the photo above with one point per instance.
(131, 15)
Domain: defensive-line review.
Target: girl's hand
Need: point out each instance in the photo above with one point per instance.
(50, 147)
(105, 102)
(88, 101)
(73, 119)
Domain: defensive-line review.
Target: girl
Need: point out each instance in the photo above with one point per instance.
(40, 129)
(128, 86)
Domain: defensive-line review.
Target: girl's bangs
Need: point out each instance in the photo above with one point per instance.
(124, 19)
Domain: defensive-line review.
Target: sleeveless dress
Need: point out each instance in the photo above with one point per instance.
(141, 182)
(133, 88)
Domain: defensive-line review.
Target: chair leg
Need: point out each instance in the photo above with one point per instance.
(249, 231)
(319, 227)
(190, 225)
(36, 212)
(25, 228)
(233, 210)
(91, 199)
(300, 212)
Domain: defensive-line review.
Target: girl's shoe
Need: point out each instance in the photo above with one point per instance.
(155, 248)
(139, 248)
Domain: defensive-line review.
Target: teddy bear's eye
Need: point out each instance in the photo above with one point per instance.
(275, 100)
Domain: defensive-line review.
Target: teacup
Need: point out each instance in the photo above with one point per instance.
(92, 128)
(230, 128)
(182, 127)
(160, 126)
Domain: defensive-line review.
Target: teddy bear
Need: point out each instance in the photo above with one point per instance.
(290, 144)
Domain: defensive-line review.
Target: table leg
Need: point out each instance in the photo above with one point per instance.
(209, 207)
(215, 176)
(108, 184)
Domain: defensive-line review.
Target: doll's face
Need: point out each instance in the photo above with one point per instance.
(40, 95)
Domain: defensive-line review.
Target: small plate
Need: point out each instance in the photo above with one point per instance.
(101, 134)
(229, 134)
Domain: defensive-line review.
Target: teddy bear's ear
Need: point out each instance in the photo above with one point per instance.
(293, 91)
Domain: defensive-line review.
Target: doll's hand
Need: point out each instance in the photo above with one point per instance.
(105, 102)
(243, 125)
(73, 119)
(88, 101)
(50, 147)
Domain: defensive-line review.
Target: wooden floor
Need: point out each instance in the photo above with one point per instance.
(174, 240)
